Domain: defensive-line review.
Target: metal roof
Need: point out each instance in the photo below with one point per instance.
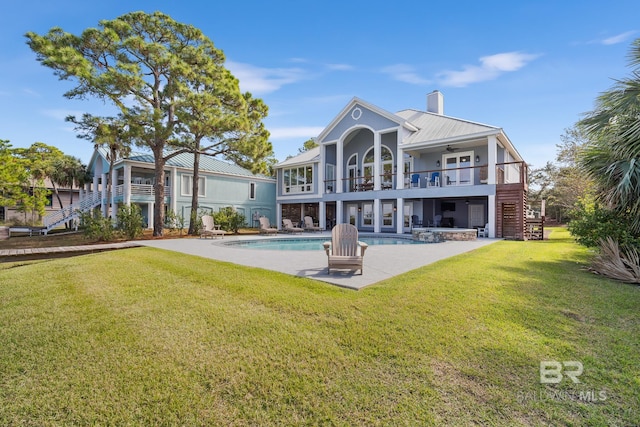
(309, 156)
(434, 127)
(207, 164)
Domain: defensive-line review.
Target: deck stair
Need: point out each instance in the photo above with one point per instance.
(71, 212)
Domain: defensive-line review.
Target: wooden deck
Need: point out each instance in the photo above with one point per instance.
(9, 255)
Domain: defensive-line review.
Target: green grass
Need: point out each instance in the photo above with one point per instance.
(144, 336)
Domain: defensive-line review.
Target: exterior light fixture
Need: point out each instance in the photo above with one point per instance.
(438, 163)
(477, 159)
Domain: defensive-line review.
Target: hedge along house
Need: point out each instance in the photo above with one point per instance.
(390, 172)
(221, 184)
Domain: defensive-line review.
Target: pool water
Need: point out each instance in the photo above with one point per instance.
(314, 244)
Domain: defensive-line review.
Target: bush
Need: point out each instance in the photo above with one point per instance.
(130, 221)
(593, 223)
(173, 221)
(229, 219)
(97, 227)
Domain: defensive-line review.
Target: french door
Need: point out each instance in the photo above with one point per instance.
(458, 168)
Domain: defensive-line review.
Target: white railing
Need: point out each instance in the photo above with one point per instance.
(140, 190)
(70, 212)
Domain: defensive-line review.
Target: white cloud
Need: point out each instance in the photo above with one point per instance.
(339, 67)
(405, 73)
(618, 38)
(258, 80)
(296, 132)
(490, 68)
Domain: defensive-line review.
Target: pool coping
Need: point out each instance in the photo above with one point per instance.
(381, 262)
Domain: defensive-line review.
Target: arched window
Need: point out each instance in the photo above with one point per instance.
(386, 161)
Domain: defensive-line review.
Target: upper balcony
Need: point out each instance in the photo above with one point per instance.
(506, 173)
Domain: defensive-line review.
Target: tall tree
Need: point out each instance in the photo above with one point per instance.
(216, 119)
(39, 160)
(13, 176)
(612, 157)
(308, 145)
(142, 63)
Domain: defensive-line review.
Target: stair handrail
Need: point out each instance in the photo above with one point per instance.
(71, 212)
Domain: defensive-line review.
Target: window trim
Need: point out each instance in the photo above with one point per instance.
(202, 189)
(253, 189)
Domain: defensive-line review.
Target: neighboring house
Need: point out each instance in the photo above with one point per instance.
(388, 172)
(67, 197)
(221, 184)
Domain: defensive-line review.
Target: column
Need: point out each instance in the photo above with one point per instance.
(127, 185)
(339, 212)
(339, 168)
(174, 189)
(278, 223)
(399, 167)
(492, 146)
(400, 215)
(104, 205)
(322, 214)
(114, 184)
(150, 215)
(377, 167)
(377, 216)
(321, 169)
(491, 202)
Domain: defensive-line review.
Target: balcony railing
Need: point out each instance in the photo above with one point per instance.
(143, 190)
(506, 173)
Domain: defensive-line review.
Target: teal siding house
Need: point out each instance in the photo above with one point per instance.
(221, 185)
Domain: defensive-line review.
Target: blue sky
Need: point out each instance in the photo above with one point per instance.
(530, 67)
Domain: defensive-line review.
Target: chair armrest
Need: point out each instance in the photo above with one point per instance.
(363, 247)
(327, 247)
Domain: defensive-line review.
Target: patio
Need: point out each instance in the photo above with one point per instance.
(380, 262)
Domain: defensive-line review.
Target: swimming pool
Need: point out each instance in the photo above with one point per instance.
(314, 243)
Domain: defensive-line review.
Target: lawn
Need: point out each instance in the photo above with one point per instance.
(149, 337)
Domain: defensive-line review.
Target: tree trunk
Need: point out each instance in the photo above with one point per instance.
(57, 193)
(194, 193)
(158, 208)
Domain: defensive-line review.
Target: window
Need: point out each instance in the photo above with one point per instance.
(252, 191)
(298, 180)
(187, 185)
(386, 161)
(367, 215)
(387, 214)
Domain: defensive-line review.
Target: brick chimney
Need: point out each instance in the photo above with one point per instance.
(435, 102)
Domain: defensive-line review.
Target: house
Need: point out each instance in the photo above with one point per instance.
(221, 184)
(56, 197)
(390, 172)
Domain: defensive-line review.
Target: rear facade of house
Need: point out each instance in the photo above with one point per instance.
(391, 172)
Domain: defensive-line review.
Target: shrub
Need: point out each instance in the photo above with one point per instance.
(173, 221)
(129, 218)
(592, 223)
(229, 219)
(97, 227)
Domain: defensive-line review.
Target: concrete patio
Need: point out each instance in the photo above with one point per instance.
(380, 261)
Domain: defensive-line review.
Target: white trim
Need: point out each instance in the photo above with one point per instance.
(202, 189)
(254, 186)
